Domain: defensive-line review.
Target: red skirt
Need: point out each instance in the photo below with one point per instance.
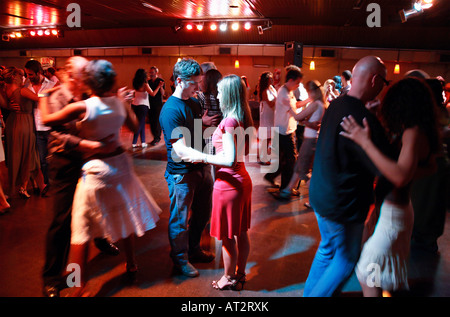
(232, 203)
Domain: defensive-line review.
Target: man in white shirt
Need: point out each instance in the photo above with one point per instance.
(284, 142)
(37, 83)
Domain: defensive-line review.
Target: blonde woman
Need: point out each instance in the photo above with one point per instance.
(232, 195)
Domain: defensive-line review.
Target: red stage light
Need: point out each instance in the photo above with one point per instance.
(54, 32)
(40, 32)
(32, 33)
(247, 26)
(47, 32)
(189, 26)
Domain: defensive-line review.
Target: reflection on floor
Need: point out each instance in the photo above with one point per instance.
(284, 237)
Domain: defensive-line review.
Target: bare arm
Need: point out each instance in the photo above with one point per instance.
(307, 112)
(70, 112)
(27, 93)
(226, 158)
(399, 172)
(150, 91)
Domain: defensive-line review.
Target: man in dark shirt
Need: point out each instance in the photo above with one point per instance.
(190, 185)
(341, 188)
(156, 104)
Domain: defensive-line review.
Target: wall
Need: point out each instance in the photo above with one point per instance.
(253, 59)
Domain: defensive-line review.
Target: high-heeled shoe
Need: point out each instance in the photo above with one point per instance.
(241, 278)
(229, 283)
(4, 210)
(23, 193)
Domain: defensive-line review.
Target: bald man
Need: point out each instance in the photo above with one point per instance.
(341, 188)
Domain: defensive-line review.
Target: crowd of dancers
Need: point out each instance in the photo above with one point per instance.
(360, 156)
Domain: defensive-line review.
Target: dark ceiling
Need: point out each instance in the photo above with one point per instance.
(313, 22)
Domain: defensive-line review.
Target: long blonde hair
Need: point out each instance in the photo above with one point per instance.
(233, 99)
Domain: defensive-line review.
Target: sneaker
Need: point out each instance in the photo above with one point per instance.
(144, 145)
(134, 146)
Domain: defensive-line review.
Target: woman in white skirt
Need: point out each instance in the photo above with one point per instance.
(267, 97)
(110, 201)
(408, 114)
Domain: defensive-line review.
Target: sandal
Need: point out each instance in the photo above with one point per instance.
(241, 278)
(229, 283)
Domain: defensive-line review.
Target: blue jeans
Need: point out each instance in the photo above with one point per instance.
(42, 143)
(336, 257)
(141, 114)
(188, 192)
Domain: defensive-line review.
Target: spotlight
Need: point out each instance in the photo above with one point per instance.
(40, 32)
(5, 37)
(247, 26)
(266, 27)
(235, 26)
(12, 35)
(47, 32)
(32, 33)
(189, 27)
(312, 65)
(223, 26)
(397, 69)
(54, 32)
(417, 8)
(213, 26)
(199, 26)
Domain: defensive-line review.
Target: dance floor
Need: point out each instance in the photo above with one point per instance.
(284, 237)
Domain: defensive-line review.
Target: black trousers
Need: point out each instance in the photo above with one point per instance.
(287, 152)
(153, 116)
(64, 173)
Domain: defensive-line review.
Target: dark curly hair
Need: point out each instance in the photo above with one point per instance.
(265, 80)
(100, 76)
(212, 77)
(140, 78)
(409, 103)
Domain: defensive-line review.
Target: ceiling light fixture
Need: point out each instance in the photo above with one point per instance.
(417, 8)
(223, 26)
(150, 6)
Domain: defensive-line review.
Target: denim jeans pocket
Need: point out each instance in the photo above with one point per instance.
(178, 178)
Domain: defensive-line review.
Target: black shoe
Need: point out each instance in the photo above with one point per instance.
(106, 247)
(51, 291)
(154, 142)
(271, 181)
(186, 269)
(201, 256)
(44, 190)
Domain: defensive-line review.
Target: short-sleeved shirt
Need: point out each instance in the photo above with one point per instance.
(156, 101)
(284, 103)
(342, 181)
(180, 118)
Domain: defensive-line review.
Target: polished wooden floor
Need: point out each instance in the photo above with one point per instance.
(284, 237)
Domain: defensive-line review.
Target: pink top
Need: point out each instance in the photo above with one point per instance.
(237, 172)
